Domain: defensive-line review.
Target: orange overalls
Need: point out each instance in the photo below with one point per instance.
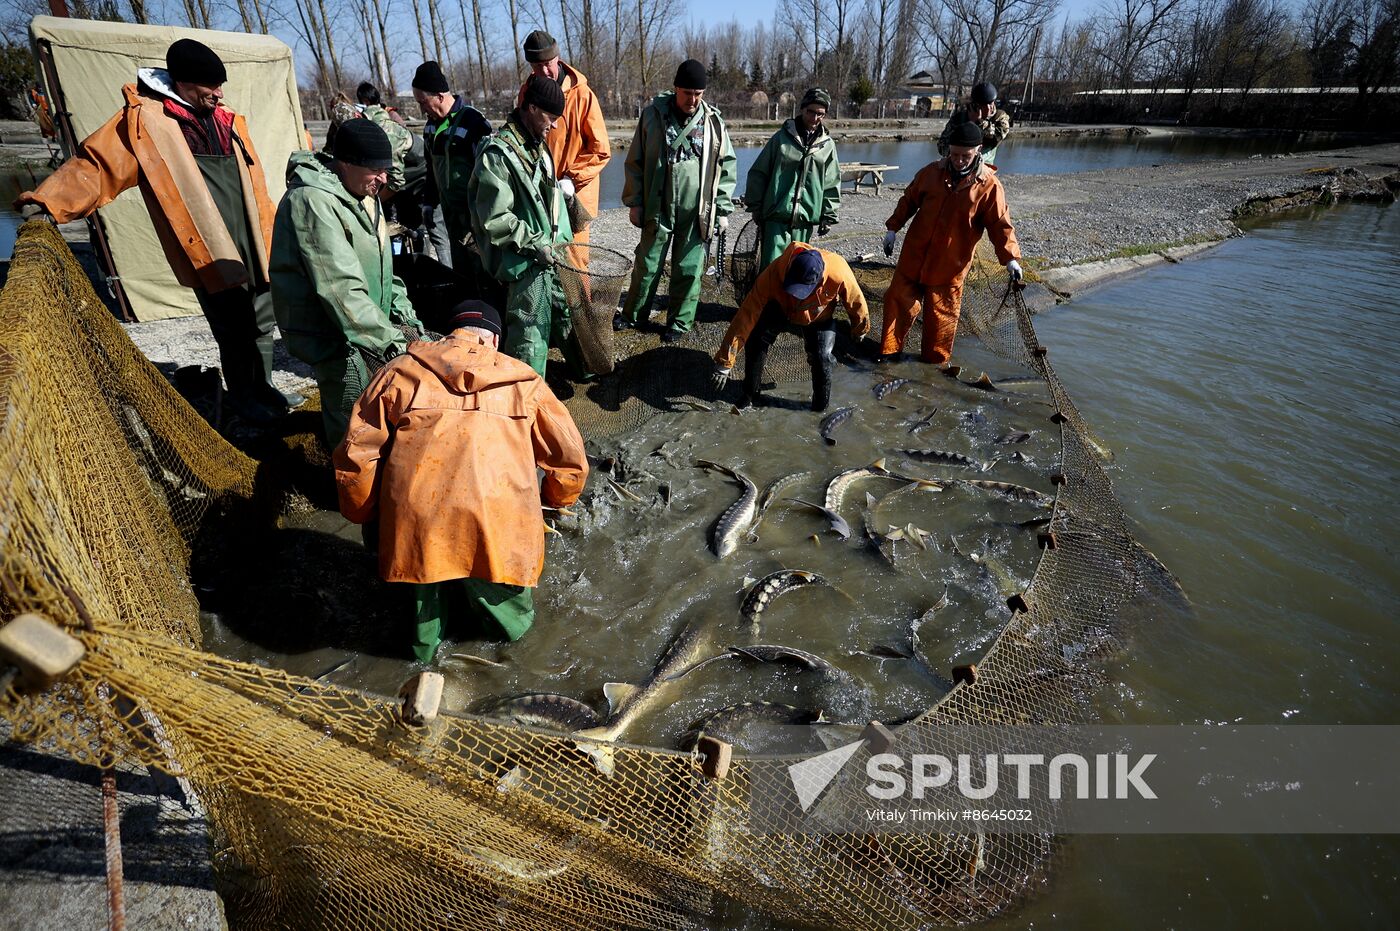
(948, 220)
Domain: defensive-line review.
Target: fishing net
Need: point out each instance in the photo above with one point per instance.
(743, 262)
(593, 278)
(327, 811)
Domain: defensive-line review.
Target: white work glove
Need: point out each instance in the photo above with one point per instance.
(720, 378)
(723, 223)
(889, 243)
(567, 187)
(1014, 267)
(30, 211)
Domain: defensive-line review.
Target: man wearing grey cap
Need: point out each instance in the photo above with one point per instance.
(340, 308)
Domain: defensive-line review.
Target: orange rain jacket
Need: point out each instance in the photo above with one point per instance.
(579, 141)
(443, 446)
(144, 145)
(948, 222)
(838, 284)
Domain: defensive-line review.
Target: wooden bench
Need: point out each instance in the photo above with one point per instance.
(856, 172)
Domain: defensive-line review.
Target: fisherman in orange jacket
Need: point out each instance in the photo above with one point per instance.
(442, 448)
(798, 292)
(204, 187)
(578, 143)
(952, 202)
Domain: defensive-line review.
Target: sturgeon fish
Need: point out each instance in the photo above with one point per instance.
(886, 388)
(1009, 490)
(770, 494)
(837, 488)
(944, 457)
(736, 520)
(768, 588)
(727, 721)
(923, 421)
(920, 654)
(833, 420)
(544, 709)
(628, 702)
(765, 653)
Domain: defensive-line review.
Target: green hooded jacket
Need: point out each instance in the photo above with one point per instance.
(333, 284)
(400, 139)
(516, 205)
(793, 182)
(648, 164)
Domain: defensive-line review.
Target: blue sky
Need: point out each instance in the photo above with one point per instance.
(748, 12)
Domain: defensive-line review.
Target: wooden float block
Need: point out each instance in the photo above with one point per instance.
(877, 737)
(1040, 351)
(40, 650)
(1018, 604)
(967, 675)
(1057, 417)
(1057, 478)
(1046, 540)
(422, 696)
(715, 755)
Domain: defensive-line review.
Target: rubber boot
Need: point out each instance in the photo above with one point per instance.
(819, 356)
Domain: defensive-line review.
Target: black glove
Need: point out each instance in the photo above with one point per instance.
(823, 229)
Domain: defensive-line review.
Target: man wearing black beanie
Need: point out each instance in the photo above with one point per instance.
(194, 161)
(679, 188)
(518, 217)
(340, 307)
(450, 138)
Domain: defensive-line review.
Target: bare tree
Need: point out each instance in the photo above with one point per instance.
(1130, 29)
(422, 37)
(515, 34)
(993, 28)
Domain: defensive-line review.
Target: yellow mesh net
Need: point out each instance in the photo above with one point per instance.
(328, 812)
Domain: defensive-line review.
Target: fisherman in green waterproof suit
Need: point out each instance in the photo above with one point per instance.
(518, 216)
(679, 187)
(795, 183)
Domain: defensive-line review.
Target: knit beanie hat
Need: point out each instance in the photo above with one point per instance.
(478, 314)
(540, 46)
(691, 75)
(430, 79)
(816, 95)
(544, 93)
(194, 63)
(362, 142)
(967, 135)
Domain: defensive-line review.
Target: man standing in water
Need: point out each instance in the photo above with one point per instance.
(794, 185)
(952, 202)
(679, 191)
(204, 188)
(443, 448)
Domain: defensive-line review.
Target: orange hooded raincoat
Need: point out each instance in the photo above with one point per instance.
(838, 284)
(578, 143)
(142, 144)
(443, 447)
(948, 220)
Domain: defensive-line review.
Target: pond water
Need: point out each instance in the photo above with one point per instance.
(1252, 397)
(1029, 156)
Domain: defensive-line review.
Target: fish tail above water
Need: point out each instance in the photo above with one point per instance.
(770, 494)
(835, 522)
